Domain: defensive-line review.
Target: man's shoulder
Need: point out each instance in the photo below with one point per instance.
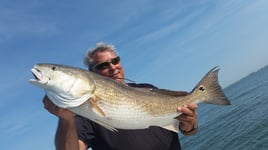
(142, 85)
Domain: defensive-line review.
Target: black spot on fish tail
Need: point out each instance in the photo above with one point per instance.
(201, 88)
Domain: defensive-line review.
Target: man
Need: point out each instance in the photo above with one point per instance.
(77, 133)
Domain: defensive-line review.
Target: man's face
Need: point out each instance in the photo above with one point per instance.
(114, 71)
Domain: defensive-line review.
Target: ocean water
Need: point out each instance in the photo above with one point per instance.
(241, 126)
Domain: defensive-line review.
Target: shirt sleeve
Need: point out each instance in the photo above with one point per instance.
(85, 130)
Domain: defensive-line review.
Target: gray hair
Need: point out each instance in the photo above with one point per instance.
(100, 47)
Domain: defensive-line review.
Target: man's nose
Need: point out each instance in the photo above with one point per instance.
(112, 66)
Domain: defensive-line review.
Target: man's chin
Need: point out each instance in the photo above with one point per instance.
(121, 80)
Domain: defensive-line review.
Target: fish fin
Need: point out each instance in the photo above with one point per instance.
(209, 90)
(105, 125)
(170, 92)
(173, 127)
(96, 108)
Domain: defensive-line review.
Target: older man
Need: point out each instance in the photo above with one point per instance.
(78, 133)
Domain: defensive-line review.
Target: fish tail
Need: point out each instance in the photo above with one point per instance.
(209, 90)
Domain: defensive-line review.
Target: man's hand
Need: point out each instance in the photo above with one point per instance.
(53, 109)
(188, 118)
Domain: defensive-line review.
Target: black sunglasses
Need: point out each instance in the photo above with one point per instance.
(106, 64)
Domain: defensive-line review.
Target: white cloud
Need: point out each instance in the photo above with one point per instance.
(19, 20)
(15, 123)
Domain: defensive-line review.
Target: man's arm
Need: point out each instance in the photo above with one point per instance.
(66, 135)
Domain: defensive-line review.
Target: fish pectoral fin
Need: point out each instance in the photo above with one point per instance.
(105, 125)
(173, 127)
(96, 108)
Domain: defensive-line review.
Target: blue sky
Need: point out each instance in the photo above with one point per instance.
(170, 43)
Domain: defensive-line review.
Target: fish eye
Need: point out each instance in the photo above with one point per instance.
(53, 68)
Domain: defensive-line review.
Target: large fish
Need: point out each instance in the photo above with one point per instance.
(117, 106)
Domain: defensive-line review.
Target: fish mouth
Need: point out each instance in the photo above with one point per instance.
(38, 76)
(36, 73)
